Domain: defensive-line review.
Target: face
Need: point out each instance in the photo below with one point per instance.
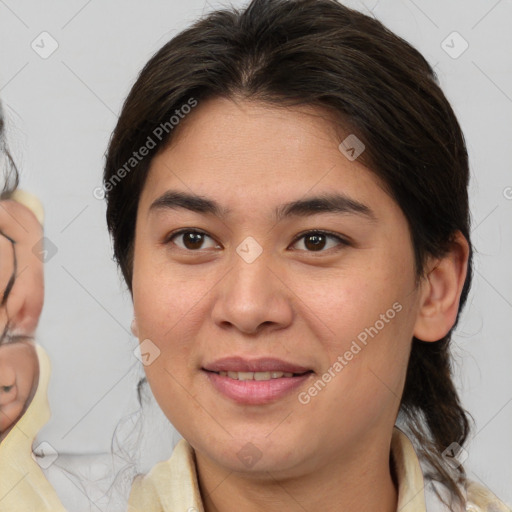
(316, 289)
(19, 373)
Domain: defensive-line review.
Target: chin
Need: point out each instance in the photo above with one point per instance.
(257, 453)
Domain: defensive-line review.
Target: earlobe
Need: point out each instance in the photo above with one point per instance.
(441, 290)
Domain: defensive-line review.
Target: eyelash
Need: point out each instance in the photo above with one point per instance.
(342, 241)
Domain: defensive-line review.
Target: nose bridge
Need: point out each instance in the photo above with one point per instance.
(251, 269)
(251, 294)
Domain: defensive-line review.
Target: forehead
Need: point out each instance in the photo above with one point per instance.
(250, 154)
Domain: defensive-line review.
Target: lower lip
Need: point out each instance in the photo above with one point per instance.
(256, 392)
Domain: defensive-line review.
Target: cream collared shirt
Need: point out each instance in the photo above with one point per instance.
(172, 485)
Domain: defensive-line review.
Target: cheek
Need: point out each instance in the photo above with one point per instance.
(173, 386)
(363, 321)
(343, 303)
(162, 295)
(167, 306)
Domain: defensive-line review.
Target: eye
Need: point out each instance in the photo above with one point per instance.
(314, 241)
(317, 240)
(192, 239)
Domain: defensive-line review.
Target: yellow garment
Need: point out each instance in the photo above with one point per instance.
(172, 485)
(23, 486)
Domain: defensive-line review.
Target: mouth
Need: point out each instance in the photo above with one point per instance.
(256, 388)
(258, 376)
(259, 381)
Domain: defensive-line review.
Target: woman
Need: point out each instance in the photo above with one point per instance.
(287, 195)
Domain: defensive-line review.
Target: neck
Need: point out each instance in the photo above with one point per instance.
(365, 483)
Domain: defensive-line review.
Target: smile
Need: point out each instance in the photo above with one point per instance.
(256, 388)
(258, 375)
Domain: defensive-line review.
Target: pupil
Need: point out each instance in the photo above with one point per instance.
(195, 239)
(318, 243)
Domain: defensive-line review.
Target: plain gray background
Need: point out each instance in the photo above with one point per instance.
(61, 110)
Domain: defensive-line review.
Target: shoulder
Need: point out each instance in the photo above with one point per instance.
(477, 498)
(416, 482)
(170, 485)
(481, 499)
(28, 200)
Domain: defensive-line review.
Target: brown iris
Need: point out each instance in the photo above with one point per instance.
(318, 241)
(193, 238)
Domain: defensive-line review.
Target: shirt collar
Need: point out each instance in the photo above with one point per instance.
(175, 481)
(411, 496)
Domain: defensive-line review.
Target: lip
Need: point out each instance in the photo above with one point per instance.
(255, 392)
(262, 364)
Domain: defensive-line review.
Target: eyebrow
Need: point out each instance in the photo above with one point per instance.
(325, 203)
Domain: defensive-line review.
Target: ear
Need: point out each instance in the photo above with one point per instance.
(134, 327)
(441, 289)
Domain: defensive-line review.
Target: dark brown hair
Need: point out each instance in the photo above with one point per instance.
(322, 54)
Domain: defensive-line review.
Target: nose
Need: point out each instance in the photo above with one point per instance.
(253, 296)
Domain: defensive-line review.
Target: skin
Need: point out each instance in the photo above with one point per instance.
(25, 301)
(19, 368)
(19, 373)
(293, 302)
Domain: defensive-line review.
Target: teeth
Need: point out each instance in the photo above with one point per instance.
(255, 375)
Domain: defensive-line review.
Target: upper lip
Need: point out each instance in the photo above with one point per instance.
(264, 364)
